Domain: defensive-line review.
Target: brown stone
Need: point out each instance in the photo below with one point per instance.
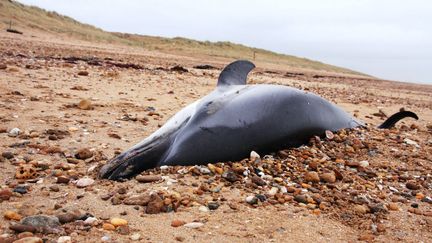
(148, 178)
(83, 154)
(156, 205)
(177, 223)
(312, 176)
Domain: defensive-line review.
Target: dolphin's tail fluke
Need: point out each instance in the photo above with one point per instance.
(391, 121)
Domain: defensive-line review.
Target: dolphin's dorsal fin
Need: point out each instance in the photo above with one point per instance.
(235, 73)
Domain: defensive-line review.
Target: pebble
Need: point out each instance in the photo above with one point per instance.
(107, 226)
(63, 180)
(254, 157)
(412, 185)
(194, 225)
(141, 200)
(203, 209)
(11, 215)
(84, 154)
(312, 176)
(118, 221)
(273, 191)
(360, 209)
(148, 178)
(123, 230)
(20, 189)
(251, 200)
(31, 239)
(41, 221)
(66, 218)
(328, 177)
(230, 176)
(135, 237)
(105, 238)
(64, 239)
(90, 221)
(393, 206)
(411, 142)
(84, 182)
(7, 155)
(213, 205)
(5, 194)
(54, 188)
(301, 199)
(85, 104)
(364, 163)
(155, 205)
(258, 180)
(22, 228)
(177, 223)
(14, 132)
(83, 73)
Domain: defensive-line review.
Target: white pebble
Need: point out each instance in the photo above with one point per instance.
(203, 209)
(105, 238)
(364, 163)
(194, 225)
(254, 156)
(411, 142)
(273, 191)
(204, 170)
(14, 132)
(135, 237)
(84, 182)
(90, 221)
(64, 239)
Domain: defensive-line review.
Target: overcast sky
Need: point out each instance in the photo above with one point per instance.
(390, 39)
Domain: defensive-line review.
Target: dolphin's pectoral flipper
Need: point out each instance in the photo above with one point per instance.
(235, 73)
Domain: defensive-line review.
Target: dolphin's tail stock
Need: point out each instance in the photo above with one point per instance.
(392, 120)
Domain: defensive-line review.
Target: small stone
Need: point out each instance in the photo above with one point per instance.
(85, 104)
(360, 209)
(258, 180)
(66, 218)
(364, 163)
(107, 226)
(141, 200)
(105, 238)
(64, 239)
(301, 199)
(7, 155)
(84, 154)
(63, 180)
(118, 221)
(41, 221)
(177, 223)
(251, 200)
(412, 185)
(329, 135)
(135, 237)
(84, 182)
(328, 177)
(254, 157)
(273, 191)
(230, 176)
(20, 189)
(194, 225)
(5, 194)
(411, 142)
(213, 205)
(204, 209)
(14, 132)
(24, 234)
(366, 237)
(393, 206)
(54, 188)
(148, 178)
(22, 228)
(83, 73)
(179, 238)
(155, 205)
(31, 239)
(123, 230)
(90, 221)
(312, 176)
(11, 215)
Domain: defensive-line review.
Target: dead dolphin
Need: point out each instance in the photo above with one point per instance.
(233, 120)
